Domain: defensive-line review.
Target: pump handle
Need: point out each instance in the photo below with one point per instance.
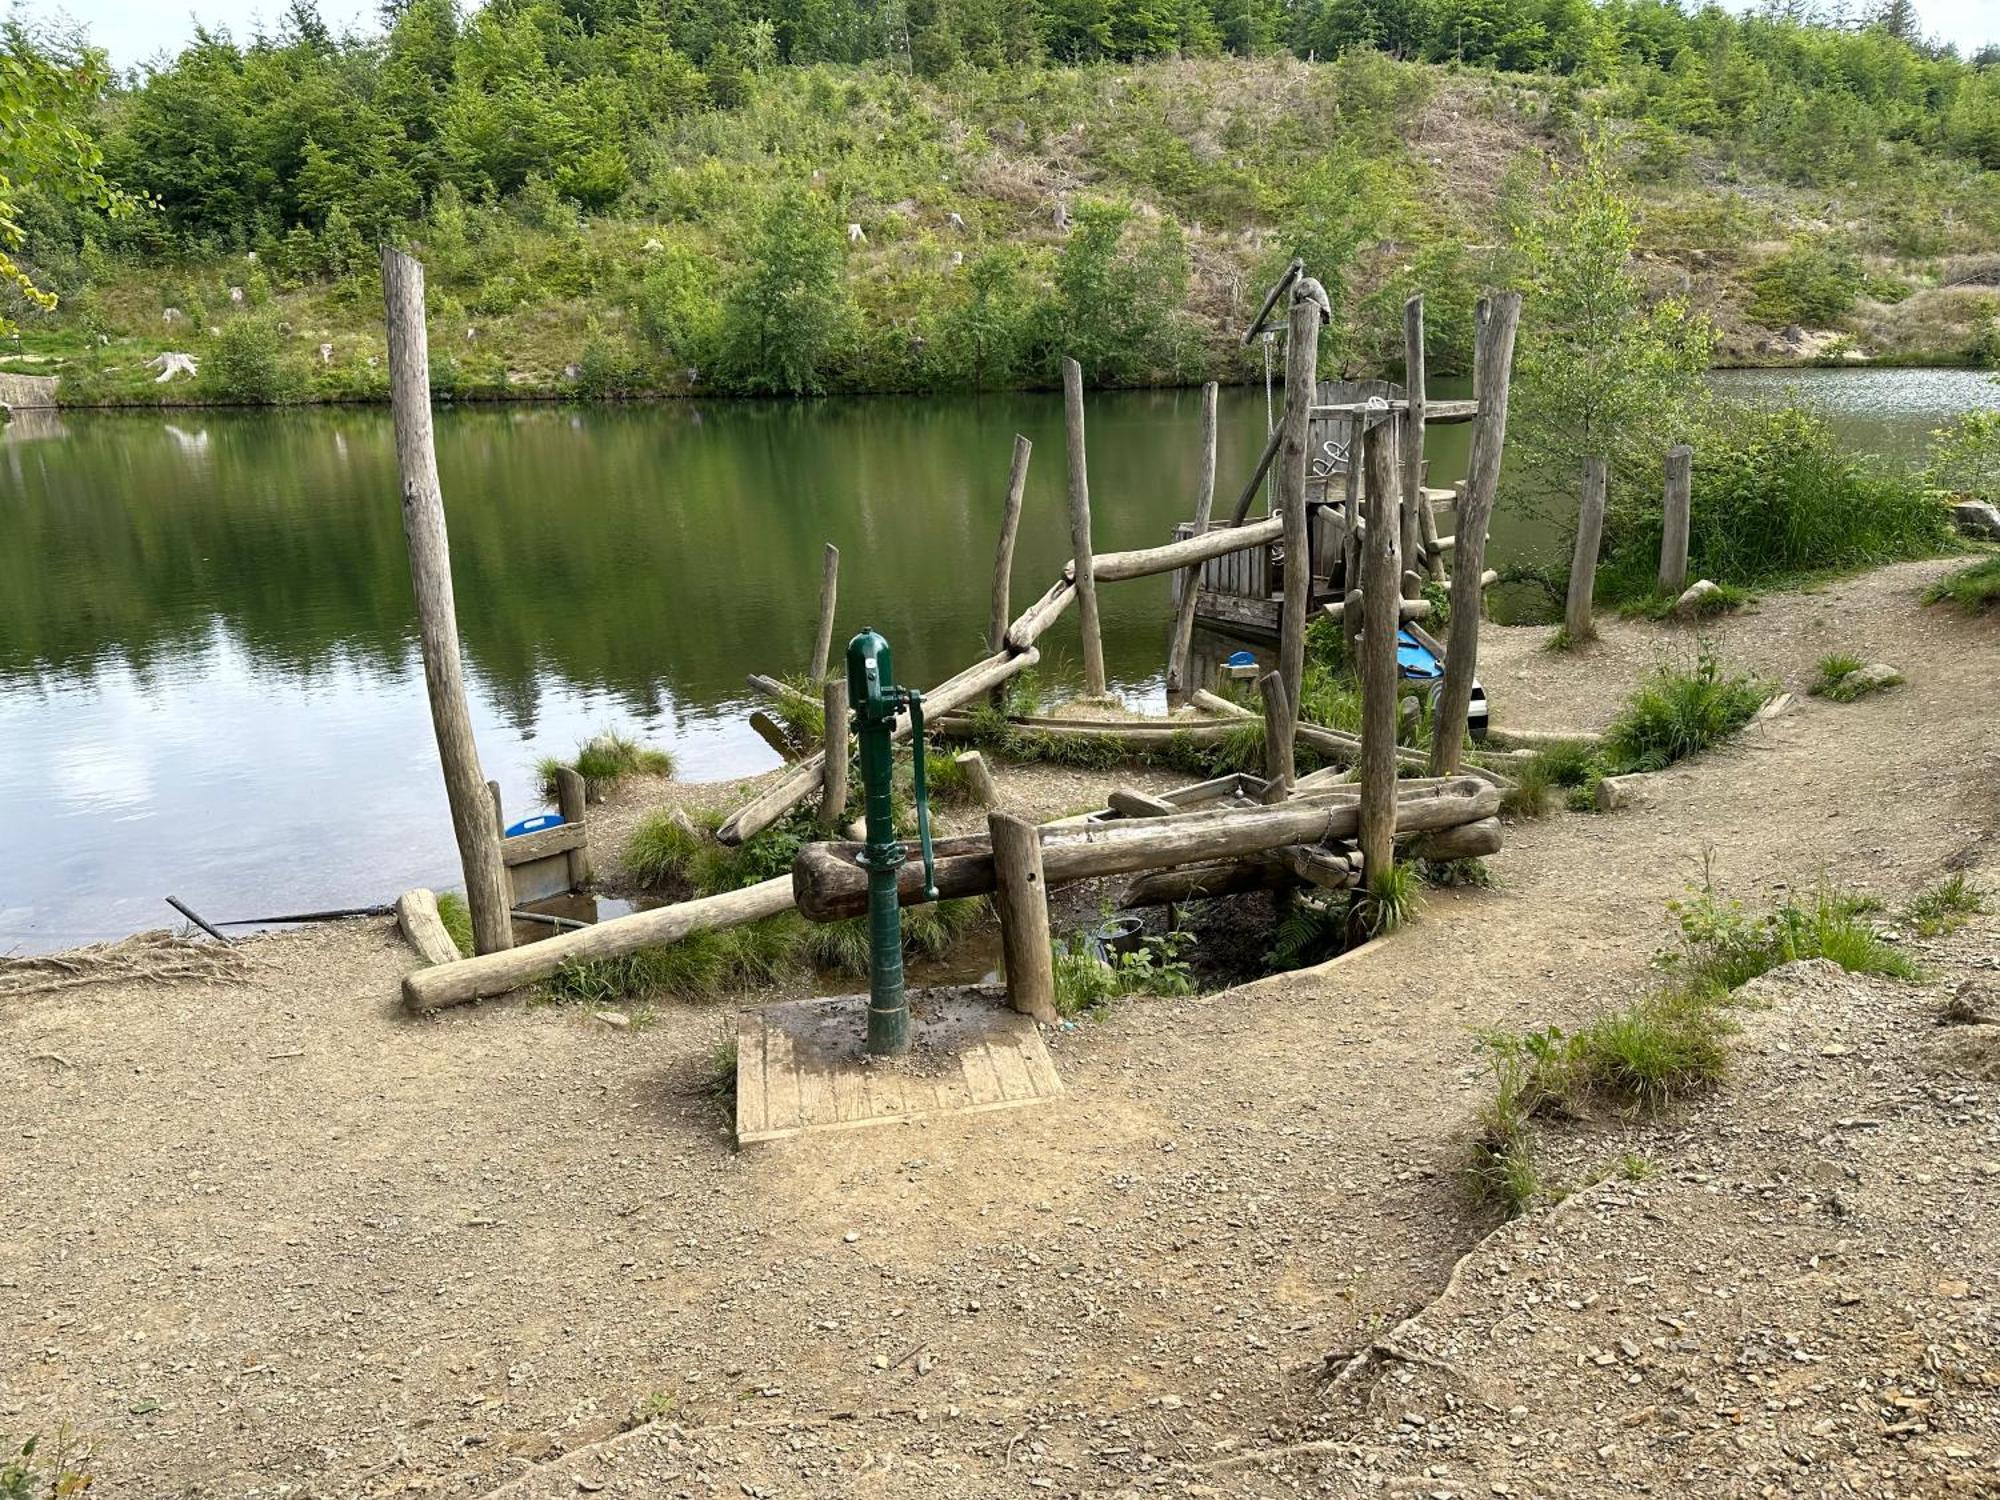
(916, 702)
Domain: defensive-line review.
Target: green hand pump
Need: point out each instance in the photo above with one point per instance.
(876, 701)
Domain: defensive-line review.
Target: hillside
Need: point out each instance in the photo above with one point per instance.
(852, 227)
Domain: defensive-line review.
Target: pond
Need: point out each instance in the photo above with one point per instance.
(209, 681)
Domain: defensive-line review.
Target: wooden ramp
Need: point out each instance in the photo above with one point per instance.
(800, 1065)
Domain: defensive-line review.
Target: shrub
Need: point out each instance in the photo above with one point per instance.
(1678, 712)
(1811, 282)
(1721, 947)
(1964, 457)
(245, 363)
(1777, 494)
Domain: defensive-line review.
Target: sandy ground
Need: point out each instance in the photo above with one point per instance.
(262, 1234)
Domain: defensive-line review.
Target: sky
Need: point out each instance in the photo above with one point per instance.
(134, 30)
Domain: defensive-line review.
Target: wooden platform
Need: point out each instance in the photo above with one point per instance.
(800, 1065)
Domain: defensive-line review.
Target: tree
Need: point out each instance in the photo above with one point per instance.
(786, 320)
(47, 88)
(1599, 368)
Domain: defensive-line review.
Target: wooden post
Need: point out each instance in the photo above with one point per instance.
(499, 816)
(1280, 763)
(833, 769)
(1022, 899)
(1583, 564)
(570, 798)
(1181, 646)
(1079, 529)
(472, 809)
(979, 776)
(1674, 535)
(1493, 364)
(829, 592)
(1380, 604)
(1413, 444)
(1301, 386)
(1003, 556)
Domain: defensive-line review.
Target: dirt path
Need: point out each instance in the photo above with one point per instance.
(268, 1236)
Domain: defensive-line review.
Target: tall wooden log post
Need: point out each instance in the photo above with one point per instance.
(1583, 564)
(1380, 601)
(472, 816)
(1003, 554)
(1674, 535)
(1309, 310)
(833, 767)
(1280, 750)
(1079, 529)
(1412, 456)
(1493, 365)
(1022, 897)
(1181, 647)
(571, 795)
(829, 595)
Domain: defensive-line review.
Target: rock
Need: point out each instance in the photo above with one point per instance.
(1977, 519)
(616, 1019)
(236, 295)
(1774, 708)
(1615, 793)
(1872, 678)
(855, 235)
(1695, 600)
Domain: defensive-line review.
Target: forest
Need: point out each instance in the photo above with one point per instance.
(620, 197)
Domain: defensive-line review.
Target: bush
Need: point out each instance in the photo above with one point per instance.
(1678, 712)
(1777, 495)
(1812, 282)
(1964, 458)
(245, 363)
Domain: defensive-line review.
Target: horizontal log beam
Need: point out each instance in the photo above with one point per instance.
(829, 885)
(500, 973)
(1113, 567)
(1040, 615)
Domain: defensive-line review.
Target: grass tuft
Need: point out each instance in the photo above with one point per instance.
(457, 918)
(1829, 672)
(1974, 590)
(604, 760)
(1680, 711)
(1944, 907)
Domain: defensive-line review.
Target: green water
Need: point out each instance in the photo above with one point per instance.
(209, 682)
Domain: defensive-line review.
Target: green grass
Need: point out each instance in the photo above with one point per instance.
(28, 1472)
(1672, 1042)
(1680, 711)
(1945, 906)
(1829, 672)
(1974, 589)
(1318, 927)
(1726, 599)
(457, 919)
(604, 760)
(1086, 983)
(718, 1079)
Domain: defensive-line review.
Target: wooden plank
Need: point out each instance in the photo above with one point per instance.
(526, 847)
(753, 1111)
(1235, 612)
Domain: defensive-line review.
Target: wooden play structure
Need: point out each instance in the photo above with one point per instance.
(1347, 511)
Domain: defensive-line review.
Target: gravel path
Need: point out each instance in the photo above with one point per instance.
(265, 1235)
